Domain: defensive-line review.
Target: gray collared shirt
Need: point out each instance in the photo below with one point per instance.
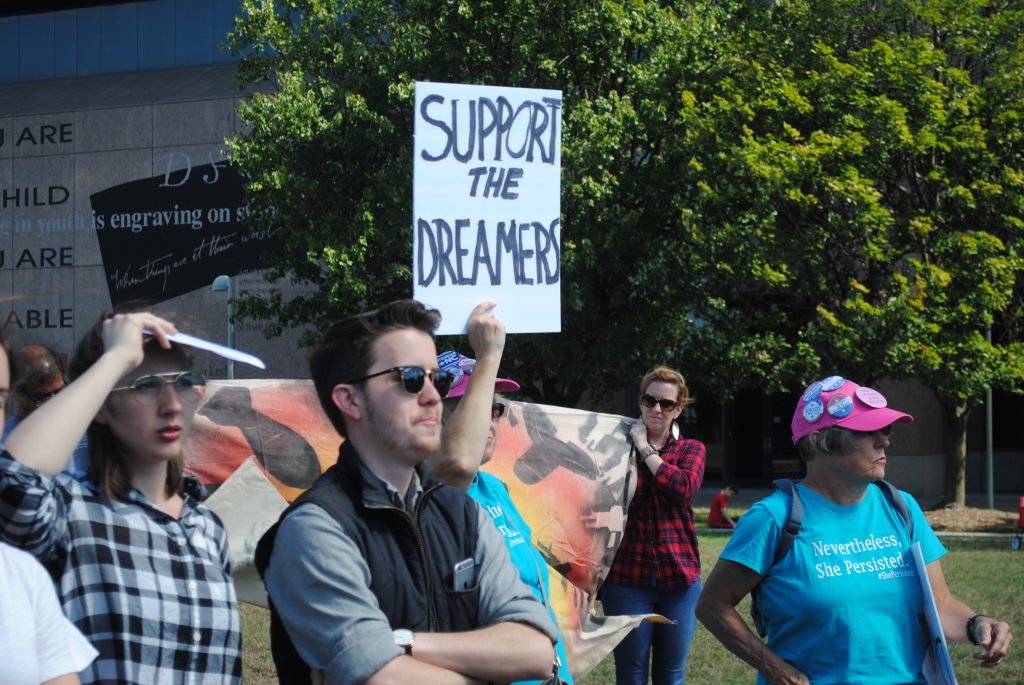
(320, 585)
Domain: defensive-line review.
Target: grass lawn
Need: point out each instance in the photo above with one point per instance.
(988, 576)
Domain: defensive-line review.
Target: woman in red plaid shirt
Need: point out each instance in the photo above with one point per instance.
(657, 567)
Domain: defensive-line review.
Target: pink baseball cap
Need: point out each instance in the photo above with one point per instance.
(836, 401)
(462, 368)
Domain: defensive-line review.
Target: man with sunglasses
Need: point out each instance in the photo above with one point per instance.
(379, 573)
(39, 375)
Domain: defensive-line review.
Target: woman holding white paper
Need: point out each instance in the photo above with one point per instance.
(842, 604)
(142, 566)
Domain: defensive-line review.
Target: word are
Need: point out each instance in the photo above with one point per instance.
(443, 251)
(46, 256)
(46, 134)
(41, 318)
(491, 128)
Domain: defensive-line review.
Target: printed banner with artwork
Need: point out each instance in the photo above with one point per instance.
(258, 444)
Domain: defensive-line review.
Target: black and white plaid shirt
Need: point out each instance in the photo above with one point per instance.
(153, 594)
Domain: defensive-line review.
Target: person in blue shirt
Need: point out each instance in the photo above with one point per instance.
(843, 605)
(472, 444)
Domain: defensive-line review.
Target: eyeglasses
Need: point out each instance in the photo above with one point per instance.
(38, 400)
(666, 404)
(497, 410)
(412, 377)
(188, 386)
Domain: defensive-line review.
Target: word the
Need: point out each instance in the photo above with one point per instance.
(440, 252)
(500, 181)
(495, 128)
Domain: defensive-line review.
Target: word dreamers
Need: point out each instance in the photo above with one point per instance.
(491, 128)
(440, 251)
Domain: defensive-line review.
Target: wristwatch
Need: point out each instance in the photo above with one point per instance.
(648, 452)
(972, 626)
(405, 639)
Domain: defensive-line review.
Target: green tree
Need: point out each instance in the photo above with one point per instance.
(327, 154)
(757, 193)
(854, 175)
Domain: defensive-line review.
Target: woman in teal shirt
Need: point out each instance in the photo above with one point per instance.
(459, 463)
(843, 605)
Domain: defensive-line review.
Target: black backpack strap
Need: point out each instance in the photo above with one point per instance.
(794, 520)
(898, 502)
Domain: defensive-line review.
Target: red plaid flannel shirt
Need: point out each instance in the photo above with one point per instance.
(659, 545)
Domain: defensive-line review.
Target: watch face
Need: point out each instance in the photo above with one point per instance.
(403, 637)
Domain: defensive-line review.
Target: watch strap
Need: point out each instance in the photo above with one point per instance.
(972, 625)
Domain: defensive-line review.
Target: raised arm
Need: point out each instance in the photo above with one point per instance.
(46, 439)
(728, 583)
(465, 435)
(992, 636)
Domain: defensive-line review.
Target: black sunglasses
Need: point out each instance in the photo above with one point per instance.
(666, 404)
(497, 410)
(412, 377)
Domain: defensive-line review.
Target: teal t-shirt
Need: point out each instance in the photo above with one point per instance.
(493, 496)
(844, 606)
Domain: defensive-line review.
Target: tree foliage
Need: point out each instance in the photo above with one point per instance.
(327, 153)
(757, 193)
(856, 176)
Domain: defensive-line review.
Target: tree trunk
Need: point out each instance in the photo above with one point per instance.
(957, 414)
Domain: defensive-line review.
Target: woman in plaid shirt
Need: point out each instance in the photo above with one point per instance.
(141, 565)
(657, 567)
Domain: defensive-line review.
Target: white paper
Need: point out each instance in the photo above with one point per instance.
(937, 667)
(221, 350)
(487, 227)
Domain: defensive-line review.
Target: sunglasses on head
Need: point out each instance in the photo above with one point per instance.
(412, 377)
(188, 386)
(666, 404)
(497, 410)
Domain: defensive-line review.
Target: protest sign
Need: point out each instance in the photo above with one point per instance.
(486, 204)
(937, 667)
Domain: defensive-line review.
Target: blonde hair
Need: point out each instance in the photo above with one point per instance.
(665, 375)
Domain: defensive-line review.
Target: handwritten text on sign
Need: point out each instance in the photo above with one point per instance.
(486, 203)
